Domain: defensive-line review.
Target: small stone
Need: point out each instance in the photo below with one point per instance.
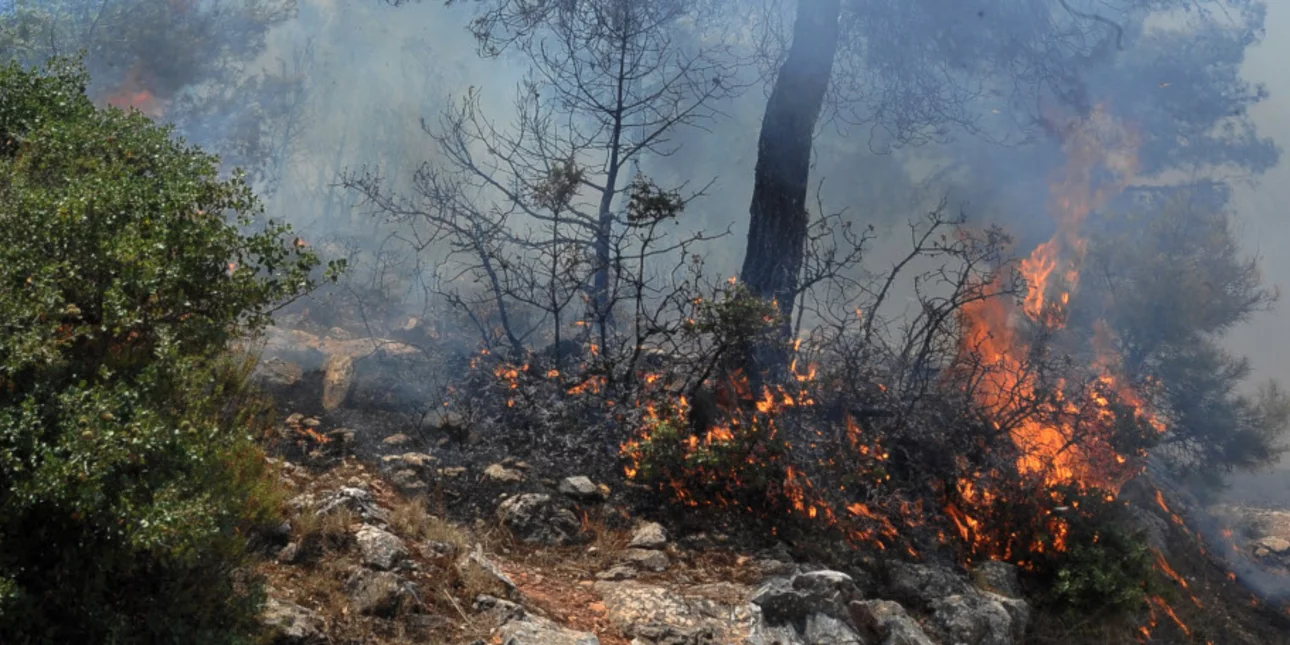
(311, 422)
(646, 559)
(380, 549)
(290, 554)
(294, 419)
(439, 550)
(580, 487)
(502, 474)
(418, 461)
(452, 472)
(617, 572)
(512, 462)
(396, 440)
(409, 482)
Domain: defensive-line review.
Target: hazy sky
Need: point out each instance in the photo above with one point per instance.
(1265, 228)
(1263, 209)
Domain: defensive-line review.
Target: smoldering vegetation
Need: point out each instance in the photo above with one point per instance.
(940, 278)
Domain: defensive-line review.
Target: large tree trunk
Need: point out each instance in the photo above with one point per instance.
(778, 224)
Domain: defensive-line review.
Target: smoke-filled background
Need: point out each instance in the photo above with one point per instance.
(302, 93)
(1265, 230)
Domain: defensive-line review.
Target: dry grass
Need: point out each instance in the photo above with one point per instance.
(411, 519)
(319, 534)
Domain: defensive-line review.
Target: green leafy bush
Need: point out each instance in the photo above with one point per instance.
(1105, 568)
(129, 479)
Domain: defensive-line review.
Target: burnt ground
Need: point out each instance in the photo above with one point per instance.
(393, 408)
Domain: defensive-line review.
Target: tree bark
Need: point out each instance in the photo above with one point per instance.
(778, 221)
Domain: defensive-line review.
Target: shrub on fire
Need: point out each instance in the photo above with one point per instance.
(129, 478)
(716, 443)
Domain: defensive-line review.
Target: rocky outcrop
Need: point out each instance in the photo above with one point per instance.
(887, 623)
(979, 619)
(654, 614)
(357, 500)
(380, 549)
(918, 585)
(376, 593)
(515, 626)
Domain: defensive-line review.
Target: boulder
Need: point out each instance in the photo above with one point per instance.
(887, 623)
(532, 630)
(1274, 544)
(380, 549)
(291, 624)
(827, 630)
(480, 563)
(650, 535)
(535, 518)
(660, 634)
(276, 373)
(634, 606)
(979, 619)
(498, 612)
(785, 600)
(917, 585)
(338, 381)
(999, 577)
(376, 593)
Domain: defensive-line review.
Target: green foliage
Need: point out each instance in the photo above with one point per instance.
(128, 476)
(1104, 568)
(1170, 280)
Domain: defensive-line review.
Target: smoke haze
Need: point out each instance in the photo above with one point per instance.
(367, 74)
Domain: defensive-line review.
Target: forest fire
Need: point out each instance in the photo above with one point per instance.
(134, 93)
(1063, 431)
(1054, 451)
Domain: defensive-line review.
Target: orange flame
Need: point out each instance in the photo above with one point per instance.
(134, 93)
